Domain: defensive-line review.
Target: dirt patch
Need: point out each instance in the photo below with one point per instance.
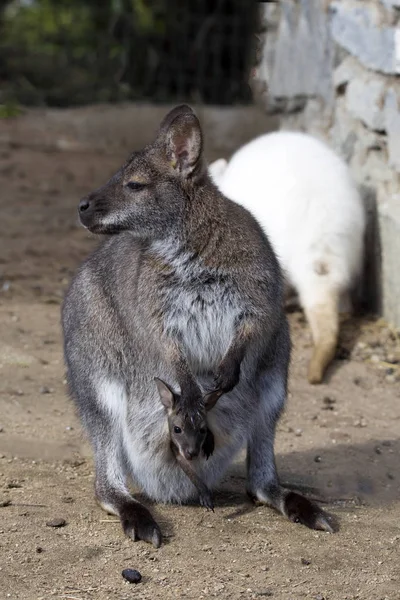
(338, 442)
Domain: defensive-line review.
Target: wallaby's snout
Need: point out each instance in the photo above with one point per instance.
(90, 210)
(96, 210)
(190, 453)
(85, 210)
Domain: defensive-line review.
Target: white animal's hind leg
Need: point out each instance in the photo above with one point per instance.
(320, 303)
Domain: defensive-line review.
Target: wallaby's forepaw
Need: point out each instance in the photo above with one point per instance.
(191, 398)
(138, 524)
(301, 510)
(206, 500)
(208, 444)
(227, 377)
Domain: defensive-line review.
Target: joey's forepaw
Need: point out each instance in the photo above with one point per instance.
(301, 510)
(206, 500)
(138, 524)
(190, 399)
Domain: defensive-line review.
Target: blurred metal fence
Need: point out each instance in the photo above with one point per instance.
(61, 53)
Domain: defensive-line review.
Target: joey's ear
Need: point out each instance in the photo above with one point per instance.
(210, 399)
(181, 137)
(167, 396)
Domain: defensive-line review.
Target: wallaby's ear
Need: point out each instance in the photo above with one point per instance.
(178, 111)
(167, 396)
(210, 399)
(180, 134)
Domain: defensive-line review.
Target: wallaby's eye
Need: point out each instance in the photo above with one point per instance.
(202, 429)
(177, 429)
(135, 185)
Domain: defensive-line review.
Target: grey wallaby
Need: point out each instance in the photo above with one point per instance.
(189, 437)
(189, 291)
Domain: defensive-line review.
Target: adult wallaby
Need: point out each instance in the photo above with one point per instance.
(304, 197)
(190, 435)
(190, 291)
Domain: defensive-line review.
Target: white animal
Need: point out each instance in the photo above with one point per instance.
(304, 197)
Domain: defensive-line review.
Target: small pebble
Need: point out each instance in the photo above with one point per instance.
(56, 523)
(67, 499)
(391, 358)
(319, 597)
(377, 450)
(305, 561)
(328, 402)
(131, 575)
(13, 485)
(298, 432)
(45, 390)
(39, 549)
(317, 459)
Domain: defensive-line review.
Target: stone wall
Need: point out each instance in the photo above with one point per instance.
(332, 68)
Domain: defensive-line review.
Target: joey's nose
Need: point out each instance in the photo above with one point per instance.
(190, 454)
(84, 205)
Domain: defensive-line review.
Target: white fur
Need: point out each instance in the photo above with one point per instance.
(146, 442)
(303, 195)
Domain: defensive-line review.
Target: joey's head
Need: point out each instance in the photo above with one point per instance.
(188, 432)
(149, 195)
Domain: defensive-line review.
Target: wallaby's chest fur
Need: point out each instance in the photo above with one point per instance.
(199, 305)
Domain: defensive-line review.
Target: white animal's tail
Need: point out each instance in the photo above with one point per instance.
(321, 305)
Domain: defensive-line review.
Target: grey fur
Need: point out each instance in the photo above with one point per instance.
(189, 291)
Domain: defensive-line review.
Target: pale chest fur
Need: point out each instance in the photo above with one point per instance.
(201, 309)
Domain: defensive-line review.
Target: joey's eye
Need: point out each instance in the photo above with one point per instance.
(135, 185)
(177, 429)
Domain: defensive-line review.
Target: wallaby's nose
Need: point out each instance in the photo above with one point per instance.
(84, 205)
(189, 454)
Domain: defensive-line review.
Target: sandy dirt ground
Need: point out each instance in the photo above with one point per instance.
(339, 442)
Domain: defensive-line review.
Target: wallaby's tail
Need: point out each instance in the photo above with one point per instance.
(321, 306)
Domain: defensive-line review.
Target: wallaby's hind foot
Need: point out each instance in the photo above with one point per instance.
(296, 508)
(324, 322)
(299, 509)
(138, 524)
(136, 520)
